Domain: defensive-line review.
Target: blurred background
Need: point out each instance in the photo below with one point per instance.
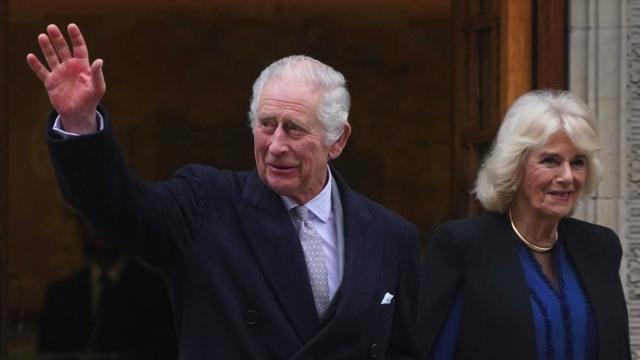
(179, 75)
(430, 81)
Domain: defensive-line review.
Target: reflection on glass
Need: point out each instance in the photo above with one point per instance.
(114, 307)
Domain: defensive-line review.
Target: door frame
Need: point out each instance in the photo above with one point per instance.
(525, 53)
(4, 175)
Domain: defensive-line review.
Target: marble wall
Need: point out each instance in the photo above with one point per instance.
(604, 68)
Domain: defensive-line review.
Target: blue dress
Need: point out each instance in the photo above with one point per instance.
(562, 317)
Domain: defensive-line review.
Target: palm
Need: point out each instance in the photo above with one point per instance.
(71, 89)
(75, 86)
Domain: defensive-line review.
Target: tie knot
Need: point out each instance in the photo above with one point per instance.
(302, 212)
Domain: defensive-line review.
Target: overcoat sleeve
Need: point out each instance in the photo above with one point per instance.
(139, 218)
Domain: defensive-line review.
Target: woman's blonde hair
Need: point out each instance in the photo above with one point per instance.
(528, 124)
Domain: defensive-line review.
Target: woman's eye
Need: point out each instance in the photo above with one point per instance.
(549, 160)
(578, 162)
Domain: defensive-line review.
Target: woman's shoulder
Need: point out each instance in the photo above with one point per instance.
(468, 236)
(475, 225)
(585, 229)
(595, 238)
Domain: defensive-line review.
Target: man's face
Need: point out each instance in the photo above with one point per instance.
(291, 156)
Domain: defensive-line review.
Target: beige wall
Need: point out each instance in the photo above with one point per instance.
(179, 75)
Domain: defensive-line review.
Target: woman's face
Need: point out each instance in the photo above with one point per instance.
(552, 178)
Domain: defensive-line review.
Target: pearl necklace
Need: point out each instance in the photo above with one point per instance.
(536, 248)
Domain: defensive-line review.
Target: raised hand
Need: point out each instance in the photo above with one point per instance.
(75, 86)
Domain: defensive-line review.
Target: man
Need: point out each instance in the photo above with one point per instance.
(281, 262)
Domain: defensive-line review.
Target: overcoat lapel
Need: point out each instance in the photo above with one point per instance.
(594, 278)
(275, 243)
(507, 292)
(364, 248)
(364, 245)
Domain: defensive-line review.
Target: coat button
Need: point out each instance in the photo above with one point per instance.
(373, 351)
(250, 317)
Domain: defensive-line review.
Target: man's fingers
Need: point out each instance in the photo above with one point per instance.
(79, 46)
(47, 50)
(37, 67)
(59, 43)
(97, 76)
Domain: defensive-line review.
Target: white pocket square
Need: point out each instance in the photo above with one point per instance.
(386, 299)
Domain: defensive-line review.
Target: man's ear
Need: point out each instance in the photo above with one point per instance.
(338, 146)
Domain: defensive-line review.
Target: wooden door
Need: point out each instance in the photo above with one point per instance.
(502, 49)
(4, 175)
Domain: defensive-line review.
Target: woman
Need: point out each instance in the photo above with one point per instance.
(526, 281)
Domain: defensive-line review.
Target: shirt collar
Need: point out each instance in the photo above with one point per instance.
(320, 205)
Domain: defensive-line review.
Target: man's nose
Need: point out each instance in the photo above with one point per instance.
(279, 141)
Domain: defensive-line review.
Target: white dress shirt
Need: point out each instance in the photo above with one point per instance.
(57, 126)
(324, 220)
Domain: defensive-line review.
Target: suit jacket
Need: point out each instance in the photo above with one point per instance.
(234, 264)
(138, 323)
(478, 257)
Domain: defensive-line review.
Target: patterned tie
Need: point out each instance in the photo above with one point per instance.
(315, 259)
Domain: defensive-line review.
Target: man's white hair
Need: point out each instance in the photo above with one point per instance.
(333, 109)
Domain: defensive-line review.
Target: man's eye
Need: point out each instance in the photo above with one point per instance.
(266, 126)
(292, 127)
(266, 123)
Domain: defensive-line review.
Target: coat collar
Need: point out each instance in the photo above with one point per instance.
(277, 249)
(598, 280)
(363, 256)
(508, 288)
(594, 275)
(273, 237)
